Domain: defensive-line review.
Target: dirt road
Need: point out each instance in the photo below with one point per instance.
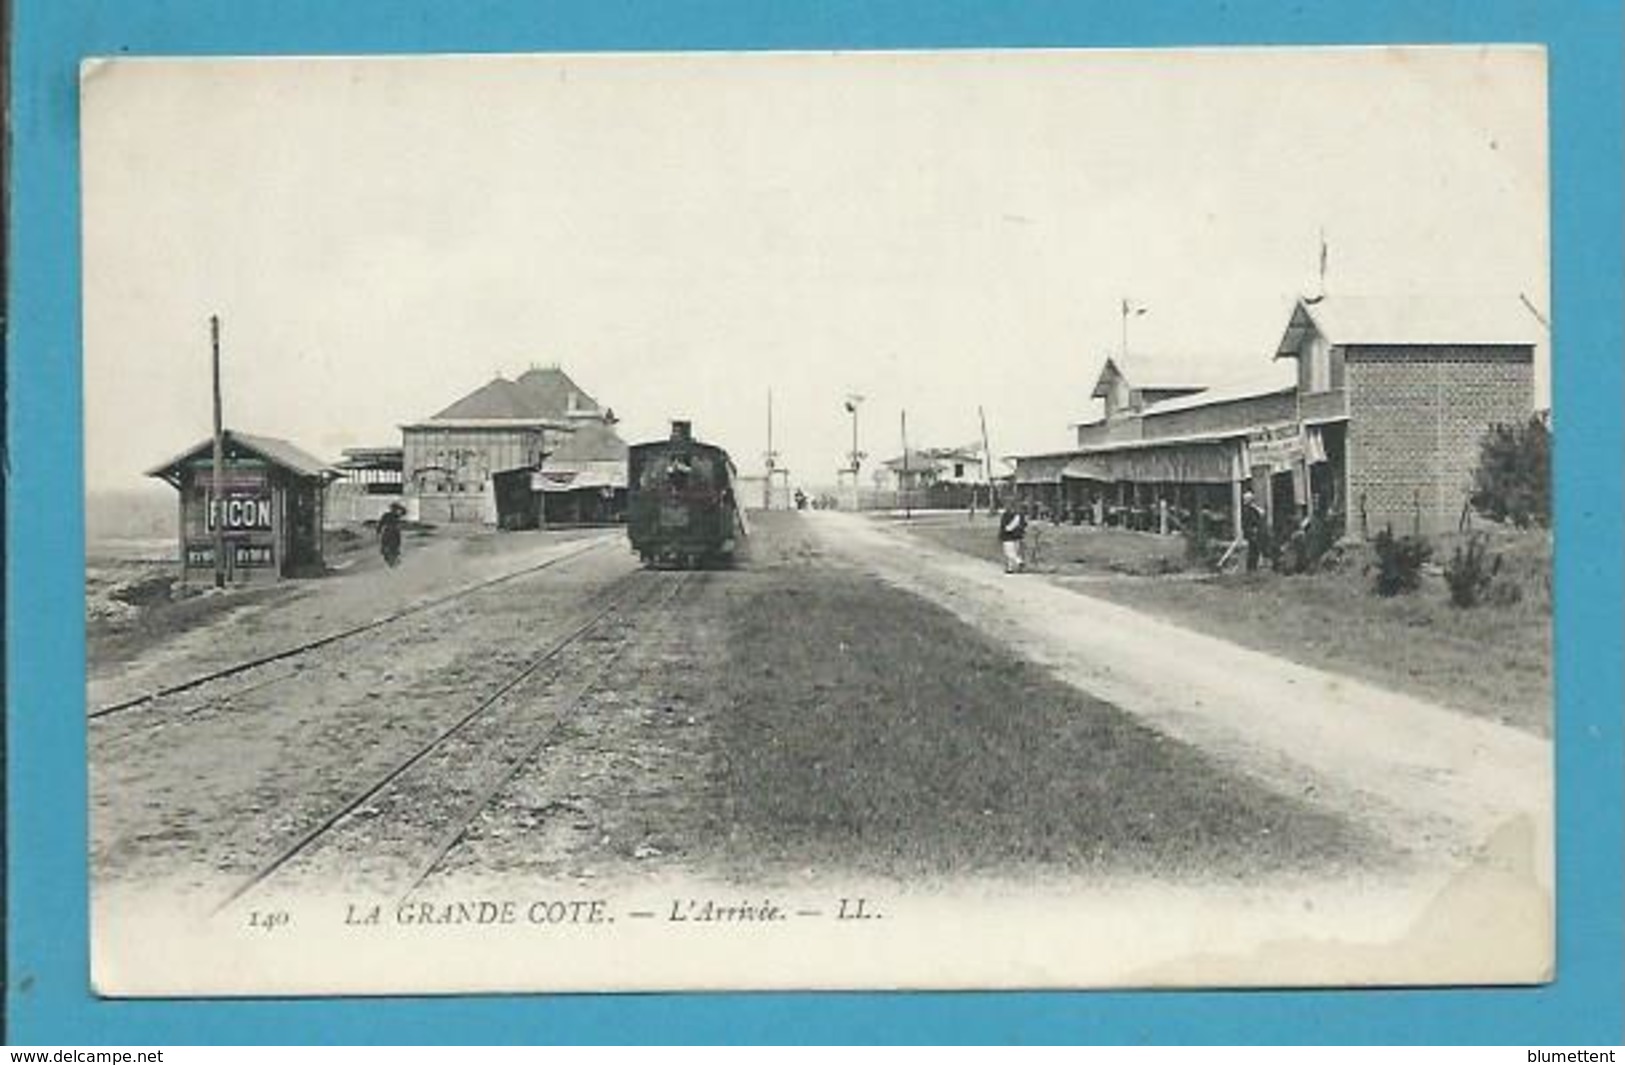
(1444, 785)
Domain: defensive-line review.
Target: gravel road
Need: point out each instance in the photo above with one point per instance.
(1444, 786)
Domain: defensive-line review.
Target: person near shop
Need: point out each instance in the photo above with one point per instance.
(1254, 528)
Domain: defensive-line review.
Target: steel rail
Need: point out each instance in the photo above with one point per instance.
(303, 842)
(460, 826)
(330, 638)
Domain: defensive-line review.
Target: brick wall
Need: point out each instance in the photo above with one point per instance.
(1416, 417)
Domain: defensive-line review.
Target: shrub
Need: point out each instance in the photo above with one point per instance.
(1470, 572)
(1201, 548)
(1504, 593)
(1399, 562)
(1512, 481)
(1310, 548)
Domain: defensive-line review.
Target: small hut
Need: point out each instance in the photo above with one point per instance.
(269, 510)
(583, 482)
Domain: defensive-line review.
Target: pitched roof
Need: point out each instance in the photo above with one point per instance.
(916, 461)
(536, 393)
(590, 442)
(499, 398)
(1155, 372)
(272, 449)
(552, 394)
(1266, 384)
(1412, 320)
(928, 458)
(489, 423)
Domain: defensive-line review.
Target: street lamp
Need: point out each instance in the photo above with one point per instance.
(853, 400)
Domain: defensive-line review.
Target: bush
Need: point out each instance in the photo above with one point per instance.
(1310, 548)
(1504, 593)
(1513, 479)
(1399, 562)
(1201, 548)
(1470, 572)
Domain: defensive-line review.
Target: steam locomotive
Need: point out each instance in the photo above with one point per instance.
(681, 506)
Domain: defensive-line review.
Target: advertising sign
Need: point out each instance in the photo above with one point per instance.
(1279, 447)
(243, 556)
(240, 514)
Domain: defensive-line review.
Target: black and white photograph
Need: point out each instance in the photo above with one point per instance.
(818, 520)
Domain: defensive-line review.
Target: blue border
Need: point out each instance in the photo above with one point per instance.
(48, 999)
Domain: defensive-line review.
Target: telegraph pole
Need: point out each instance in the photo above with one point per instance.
(856, 458)
(216, 510)
(772, 456)
(908, 506)
(987, 461)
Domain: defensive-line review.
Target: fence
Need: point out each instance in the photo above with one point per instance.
(935, 497)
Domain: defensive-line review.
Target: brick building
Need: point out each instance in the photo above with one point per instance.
(1378, 423)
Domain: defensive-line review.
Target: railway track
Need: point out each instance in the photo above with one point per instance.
(301, 650)
(398, 826)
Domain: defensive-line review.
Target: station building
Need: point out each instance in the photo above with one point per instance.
(449, 461)
(270, 506)
(1377, 424)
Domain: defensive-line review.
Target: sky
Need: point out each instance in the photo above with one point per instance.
(938, 232)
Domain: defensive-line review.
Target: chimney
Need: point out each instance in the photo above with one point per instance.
(682, 430)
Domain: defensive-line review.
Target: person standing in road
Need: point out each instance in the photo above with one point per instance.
(1252, 528)
(1012, 531)
(389, 533)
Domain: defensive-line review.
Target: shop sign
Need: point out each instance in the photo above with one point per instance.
(241, 513)
(1279, 448)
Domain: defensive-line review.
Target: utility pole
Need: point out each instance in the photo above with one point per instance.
(987, 461)
(216, 510)
(1323, 252)
(908, 507)
(772, 456)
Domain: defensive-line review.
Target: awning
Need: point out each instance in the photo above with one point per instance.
(574, 482)
(1215, 462)
(1041, 469)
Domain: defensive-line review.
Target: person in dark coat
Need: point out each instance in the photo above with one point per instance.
(389, 532)
(1253, 528)
(1012, 531)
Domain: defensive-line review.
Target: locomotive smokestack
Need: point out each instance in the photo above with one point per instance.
(682, 430)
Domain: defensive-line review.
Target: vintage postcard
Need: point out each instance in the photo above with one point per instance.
(980, 519)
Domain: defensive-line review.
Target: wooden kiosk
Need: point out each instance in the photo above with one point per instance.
(270, 508)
